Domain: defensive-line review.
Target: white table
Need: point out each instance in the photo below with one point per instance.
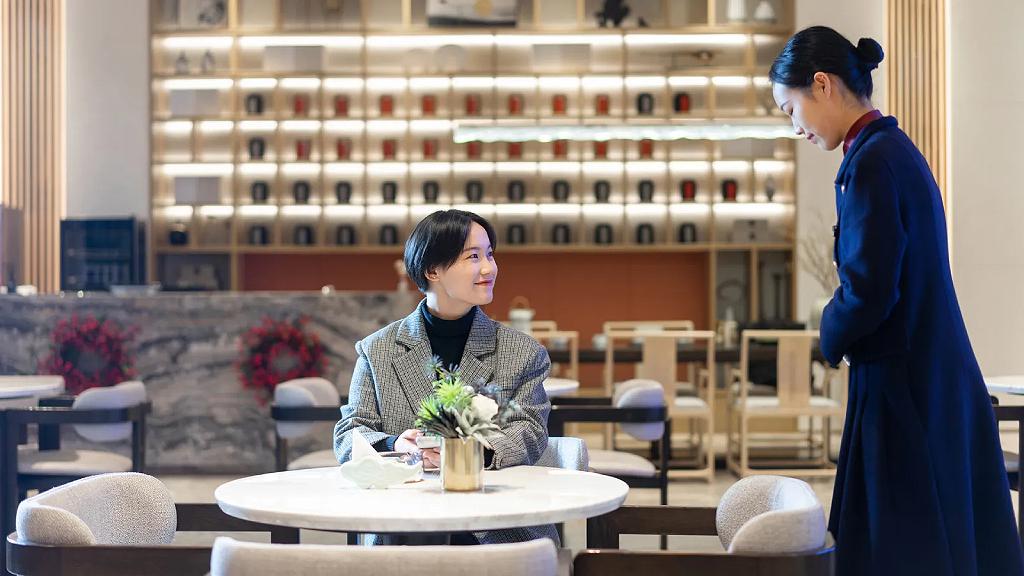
(1006, 384)
(21, 391)
(320, 499)
(560, 386)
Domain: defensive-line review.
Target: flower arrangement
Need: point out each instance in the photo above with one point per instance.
(460, 410)
(278, 351)
(89, 352)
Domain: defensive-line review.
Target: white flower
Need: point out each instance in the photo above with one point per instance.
(484, 407)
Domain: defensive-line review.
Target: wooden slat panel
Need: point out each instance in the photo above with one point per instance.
(916, 77)
(31, 133)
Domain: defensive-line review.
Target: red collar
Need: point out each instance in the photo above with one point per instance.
(858, 126)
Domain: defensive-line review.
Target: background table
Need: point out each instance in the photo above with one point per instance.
(1012, 385)
(21, 387)
(686, 354)
(560, 387)
(321, 499)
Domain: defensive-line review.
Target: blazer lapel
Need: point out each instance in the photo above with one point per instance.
(412, 367)
(477, 357)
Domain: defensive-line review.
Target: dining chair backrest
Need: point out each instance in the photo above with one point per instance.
(123, 395)
(233, 558)
(566, 453)
(300, 393)
(770, 514)
(119, 509)
(793, 360)
(640, 393)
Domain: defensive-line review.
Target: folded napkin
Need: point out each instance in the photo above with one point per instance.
(361, 447)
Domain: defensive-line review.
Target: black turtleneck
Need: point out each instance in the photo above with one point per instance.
(448, 337)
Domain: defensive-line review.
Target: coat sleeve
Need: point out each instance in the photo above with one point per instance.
(362, 411)
(526, 435)
(871, 247)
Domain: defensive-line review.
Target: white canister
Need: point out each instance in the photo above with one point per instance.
(520, 319)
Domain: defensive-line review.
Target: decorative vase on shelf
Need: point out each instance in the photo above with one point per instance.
(764, 13)
(736, 11)
(207, 64)
(181, 64)
(462, 464)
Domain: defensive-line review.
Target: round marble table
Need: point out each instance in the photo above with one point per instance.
(1005, 384)
(560, 386)
(320, 499)
(29, 387)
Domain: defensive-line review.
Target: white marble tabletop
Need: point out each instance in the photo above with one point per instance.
(30, 386)
(320, 499)
(560, 386)
(1006, 384)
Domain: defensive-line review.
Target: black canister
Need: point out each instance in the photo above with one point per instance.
(258, 235)
(516, 234)
(254, 104)
(474, 191)
(389, 191)
(645, 234)
(516, 191)
(345, 235)
(645, 104)
(431, 191)
(560, 234)
(343, 192)
(257, 148)
(602, 190)
(388, 235)
(178, 235)
(603, 234)
(560, 190)
(303, 235)
(687, 233)
(645, 189)
(260, 192)
(301, 192)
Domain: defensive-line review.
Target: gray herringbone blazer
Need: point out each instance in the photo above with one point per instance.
(391, 378)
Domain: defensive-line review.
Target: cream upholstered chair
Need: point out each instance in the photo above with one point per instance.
(114, 524)
(234, 558)
(793, 399)
(318, 400)
(566, 453)
(768, 525)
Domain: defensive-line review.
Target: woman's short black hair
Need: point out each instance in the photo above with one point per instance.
(438, 241)
(822, 49)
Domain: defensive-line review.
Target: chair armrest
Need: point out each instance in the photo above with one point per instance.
(559, 415)
(615, 562)
(62, 401)
(604, 531)
(581, 401)
(210, 518)
(305, 413)
(1009, 413)
(72, 416)
(150, 560)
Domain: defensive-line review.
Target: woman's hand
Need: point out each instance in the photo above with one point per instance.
(432, 458)
(407, 442)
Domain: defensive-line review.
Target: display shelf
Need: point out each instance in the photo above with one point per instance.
(308, 124)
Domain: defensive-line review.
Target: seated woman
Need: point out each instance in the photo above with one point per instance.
(450, 257)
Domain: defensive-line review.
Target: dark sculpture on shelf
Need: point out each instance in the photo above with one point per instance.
(614, 10)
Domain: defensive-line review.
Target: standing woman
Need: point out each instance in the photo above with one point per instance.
(921, 487)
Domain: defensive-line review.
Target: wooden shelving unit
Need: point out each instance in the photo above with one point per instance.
(387, 51)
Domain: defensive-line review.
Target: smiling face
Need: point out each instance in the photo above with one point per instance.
(817, 111)
(470, 280)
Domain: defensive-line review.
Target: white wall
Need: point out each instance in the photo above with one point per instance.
(816, 170)
(107, 108)
(988, 204)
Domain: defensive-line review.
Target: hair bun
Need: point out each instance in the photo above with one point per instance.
(870, 52)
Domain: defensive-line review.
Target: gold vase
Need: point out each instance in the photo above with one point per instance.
(462, 464)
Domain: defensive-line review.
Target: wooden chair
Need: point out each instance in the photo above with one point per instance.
(660, 349)
(768, 526)
(71, 530)
(298, 404)
(793, 399)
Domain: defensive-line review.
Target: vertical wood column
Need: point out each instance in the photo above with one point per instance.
(916, 52)
(32, 131)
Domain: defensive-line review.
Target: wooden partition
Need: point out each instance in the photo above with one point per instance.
(32, 131)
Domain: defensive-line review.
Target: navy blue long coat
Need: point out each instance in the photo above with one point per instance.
(921, 487)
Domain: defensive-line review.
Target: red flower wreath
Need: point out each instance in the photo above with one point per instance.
(278, 351)
(89, 353)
